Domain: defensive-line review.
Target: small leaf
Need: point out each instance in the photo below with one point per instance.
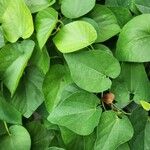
(145, 105)
(45, 23)
(8, 113)
(76, 8)
(39, 136)
(78, 110)
(107, 22)
(75, 36)
(40, 59)
(19, 139)
(126, 84)
(143, 6)
(17, 21)
(55, 81)
(112, 131)
(91, 70)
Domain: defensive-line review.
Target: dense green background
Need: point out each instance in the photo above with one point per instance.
(59, 59)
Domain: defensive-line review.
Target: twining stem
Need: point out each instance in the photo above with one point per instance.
(113, 105)
(92, 48)
(6, 127)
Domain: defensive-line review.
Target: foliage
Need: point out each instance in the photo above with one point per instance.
(74, 74)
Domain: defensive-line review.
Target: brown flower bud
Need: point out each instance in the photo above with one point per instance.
(108, 98)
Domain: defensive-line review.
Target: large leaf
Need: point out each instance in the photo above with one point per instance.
(45, 23)
(13, 60)
(39, 136)
(132, 81)
(38, 5)
(76, 8)
(29, 95)
(19, 139)
(134, 40)
(75, 36)
(107, 22)
(112, 131)
(76, 111)
(17, 21)
(141, 124)
(91, 70)
(8, 113)
(55, 81)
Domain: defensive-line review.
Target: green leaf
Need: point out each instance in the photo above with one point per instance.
(119, 12)
(75, 36)
(2, 42)
(45, 22)
(89, 141)
(76, 8)
(8, 113)
(91, 70)
(19, 139)
(134, 40)
(145, 105)
(29, 95)
(78, 110)
(143, 6)
(141, 124)
(17, 21)
(124, 146)
(55, 81)
(38, 5)
(107, 22)
(16, 56)
(132, 81)
(39, 136)
(112, 131)
(67, 135)
(40, 59)
(3, 6)
(118, 3)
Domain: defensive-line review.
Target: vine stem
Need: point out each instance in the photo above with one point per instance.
(120, 109)
(6, 127)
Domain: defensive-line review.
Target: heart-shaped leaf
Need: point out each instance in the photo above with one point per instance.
(91, 70)
(13, 60)
(134, 40)
(75, 36)
(29, 95)
(76, 111)
(19, 139)
(76, 8)
(106, 21)
(17, 21)
(126, 84)
(45, 23)
(110, 129)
